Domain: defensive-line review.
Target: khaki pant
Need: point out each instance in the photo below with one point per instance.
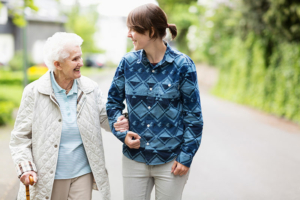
(139, 180)
(79, 188)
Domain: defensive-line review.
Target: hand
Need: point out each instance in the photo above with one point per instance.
(179, 169)
(121, 124)
(132, 140)
(25, 177)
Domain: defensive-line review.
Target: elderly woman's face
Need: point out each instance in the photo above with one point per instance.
(70, 66)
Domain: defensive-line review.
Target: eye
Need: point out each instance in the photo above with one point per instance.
(76, 58)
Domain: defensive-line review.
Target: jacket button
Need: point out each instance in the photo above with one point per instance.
(51, 172)
(55, 146)
(47, 198)
(59, 120)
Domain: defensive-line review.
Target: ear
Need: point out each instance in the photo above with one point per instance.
(152, 32)
(57, 65)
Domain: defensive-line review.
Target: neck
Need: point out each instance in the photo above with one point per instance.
(62, 81)
(155, 51)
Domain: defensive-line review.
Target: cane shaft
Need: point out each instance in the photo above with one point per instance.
(31, 181)
(27, 193)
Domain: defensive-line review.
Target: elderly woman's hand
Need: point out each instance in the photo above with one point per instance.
(122, 124)
(25, 177)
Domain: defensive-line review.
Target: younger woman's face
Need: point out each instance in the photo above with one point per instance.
(140, 41)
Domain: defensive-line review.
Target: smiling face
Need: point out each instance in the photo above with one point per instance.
(69, 67)
(140, 41)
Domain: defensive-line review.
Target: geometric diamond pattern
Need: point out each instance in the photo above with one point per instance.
(163, 105)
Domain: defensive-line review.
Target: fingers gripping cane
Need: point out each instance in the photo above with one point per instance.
(27, 187)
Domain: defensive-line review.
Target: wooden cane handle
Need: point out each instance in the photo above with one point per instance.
(31, 181)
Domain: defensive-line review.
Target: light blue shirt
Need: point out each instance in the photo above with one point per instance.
(72, 160)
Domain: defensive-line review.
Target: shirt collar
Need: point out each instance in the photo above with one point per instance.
(169, 56)
(58, 89)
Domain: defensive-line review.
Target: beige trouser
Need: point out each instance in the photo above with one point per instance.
(79, 188)
(139, 180)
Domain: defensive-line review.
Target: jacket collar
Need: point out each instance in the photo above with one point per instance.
(45, 85)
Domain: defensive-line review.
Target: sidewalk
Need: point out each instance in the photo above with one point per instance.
(9, 183)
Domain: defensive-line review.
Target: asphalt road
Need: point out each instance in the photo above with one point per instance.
(244, 155)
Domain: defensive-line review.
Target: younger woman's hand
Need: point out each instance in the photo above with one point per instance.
(122, 124)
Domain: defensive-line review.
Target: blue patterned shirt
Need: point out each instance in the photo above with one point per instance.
(163, 105)
(72, 159)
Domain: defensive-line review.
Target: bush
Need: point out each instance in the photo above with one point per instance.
(6, 109)
(16, 77)
(16, 63)
(12, 93)
(257, 49)
(10, 98)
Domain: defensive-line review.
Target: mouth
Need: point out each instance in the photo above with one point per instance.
(77, 70)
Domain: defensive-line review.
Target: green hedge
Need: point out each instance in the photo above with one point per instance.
(6, 109)
(272, 84)
(10, 98)
(14, 77)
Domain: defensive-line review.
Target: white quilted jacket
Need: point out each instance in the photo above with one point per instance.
(36, 135)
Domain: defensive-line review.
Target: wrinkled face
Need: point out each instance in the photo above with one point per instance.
(140, 41)
(70, 67)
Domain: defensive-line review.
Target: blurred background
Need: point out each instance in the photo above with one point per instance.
(247, 54)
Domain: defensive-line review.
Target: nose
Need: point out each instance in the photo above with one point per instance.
(80, 64)
(129, 34)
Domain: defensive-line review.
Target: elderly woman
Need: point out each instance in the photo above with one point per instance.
(57, 135)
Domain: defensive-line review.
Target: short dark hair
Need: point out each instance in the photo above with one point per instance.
(152, 18)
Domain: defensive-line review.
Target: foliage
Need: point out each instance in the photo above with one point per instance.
(10, 97)
(279, 18)
(178, 12)
(83, 24)
(6, 108)
(16, 77)
(12, 93)
(256, 46)
(16, 11)
(16, 63)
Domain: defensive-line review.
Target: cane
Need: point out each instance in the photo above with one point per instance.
(27, 187)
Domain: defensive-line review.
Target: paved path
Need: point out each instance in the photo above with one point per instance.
(244, 155)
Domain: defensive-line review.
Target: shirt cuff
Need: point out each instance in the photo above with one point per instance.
(25, 166)
(121, 135)
(185, 159)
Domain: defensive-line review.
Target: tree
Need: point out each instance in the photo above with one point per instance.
(178, 13)
(16, 11)
(82, 22)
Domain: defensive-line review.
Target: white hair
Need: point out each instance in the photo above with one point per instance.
(55, 48)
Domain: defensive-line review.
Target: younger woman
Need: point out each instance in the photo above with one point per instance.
(161, 90)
